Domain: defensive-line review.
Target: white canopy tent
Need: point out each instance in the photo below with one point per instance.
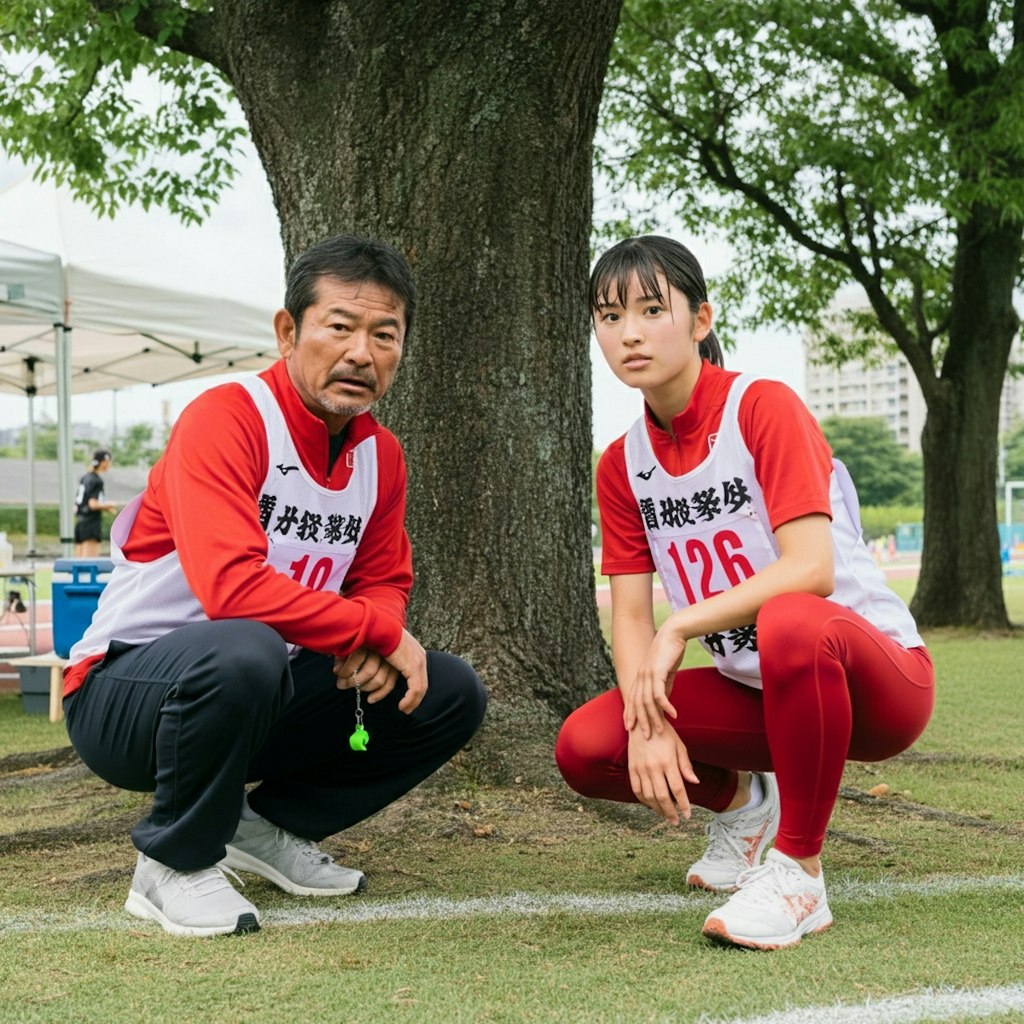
(92, 304)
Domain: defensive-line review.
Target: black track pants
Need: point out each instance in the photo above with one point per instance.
(196, 714)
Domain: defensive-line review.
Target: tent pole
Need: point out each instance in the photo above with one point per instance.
(30, 454)
(64, 453)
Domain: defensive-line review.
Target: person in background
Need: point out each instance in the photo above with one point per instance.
(90, 504)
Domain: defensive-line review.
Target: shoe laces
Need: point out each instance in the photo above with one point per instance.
(722, 841)
(309, 849)
(769, 883)
(207, 881)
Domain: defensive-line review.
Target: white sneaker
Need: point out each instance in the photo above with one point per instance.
(296, 865)
(776, 905)
(189, 902)
(736, 842)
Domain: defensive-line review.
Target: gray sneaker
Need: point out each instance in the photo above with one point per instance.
(189, 902)
(736, 842)
(296, 865)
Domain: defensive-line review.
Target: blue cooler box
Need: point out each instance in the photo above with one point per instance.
(77, 585)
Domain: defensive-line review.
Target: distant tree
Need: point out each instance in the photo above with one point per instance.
(877, 143)
(45, 438)
(885, 472)
(1014, 445)
(136, 447)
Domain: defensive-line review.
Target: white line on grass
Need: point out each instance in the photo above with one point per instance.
(359, 910)
(929, 1004)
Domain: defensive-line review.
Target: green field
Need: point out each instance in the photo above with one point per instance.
(528, 904)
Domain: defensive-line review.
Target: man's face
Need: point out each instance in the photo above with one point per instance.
(343, 356)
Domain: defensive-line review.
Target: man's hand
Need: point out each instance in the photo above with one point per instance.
(367, 670)
(376, 675)
(658, 767)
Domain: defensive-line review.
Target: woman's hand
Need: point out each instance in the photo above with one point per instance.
(647, 703)
(658, 767)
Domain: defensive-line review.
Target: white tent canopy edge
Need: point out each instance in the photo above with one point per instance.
(88, 304)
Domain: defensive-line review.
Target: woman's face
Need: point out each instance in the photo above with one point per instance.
(652, 343)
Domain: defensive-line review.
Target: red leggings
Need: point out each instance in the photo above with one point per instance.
(835, 687)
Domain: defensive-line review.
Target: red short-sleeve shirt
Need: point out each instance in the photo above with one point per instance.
(792, 461)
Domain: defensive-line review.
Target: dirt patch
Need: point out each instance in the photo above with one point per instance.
(901, 806)
(63, 805)
(39, 759)
(58, 836)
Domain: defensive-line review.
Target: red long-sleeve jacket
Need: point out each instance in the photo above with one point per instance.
(201, 501)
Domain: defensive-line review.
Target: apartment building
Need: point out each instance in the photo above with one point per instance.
(888, 389)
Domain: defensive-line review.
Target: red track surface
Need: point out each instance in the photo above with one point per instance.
(14, 634)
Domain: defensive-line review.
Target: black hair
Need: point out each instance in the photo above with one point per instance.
(354, 260)
(100, 456)
(644, 258)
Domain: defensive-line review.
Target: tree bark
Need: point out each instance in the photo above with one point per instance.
(960, 583)
(462, 134)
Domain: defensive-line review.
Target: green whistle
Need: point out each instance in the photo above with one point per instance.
(359, 739)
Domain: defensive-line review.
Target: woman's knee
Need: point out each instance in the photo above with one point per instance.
(572, 761)
(789, 629)
(585, 751)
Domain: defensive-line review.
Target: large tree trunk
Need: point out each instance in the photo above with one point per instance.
(961, 573)
(462, 134)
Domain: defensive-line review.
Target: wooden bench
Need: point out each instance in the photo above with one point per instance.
(55, 664)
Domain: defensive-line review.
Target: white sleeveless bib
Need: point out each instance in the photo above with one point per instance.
(708, 530)
(312, 536)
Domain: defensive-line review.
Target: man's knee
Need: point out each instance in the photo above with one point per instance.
(462, 694)
(246, 664)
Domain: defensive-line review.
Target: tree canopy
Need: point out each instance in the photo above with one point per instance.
(120, 118)
(826, 141)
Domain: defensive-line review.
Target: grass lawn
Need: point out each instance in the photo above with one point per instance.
(529, 904)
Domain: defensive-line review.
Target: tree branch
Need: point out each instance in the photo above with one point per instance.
(655, 37)
(888, 316)
(865, 54)
(844, 218)
(868, 213)
(917, 349)
(717, 161)
(197, 38)
(926, 8)
(917, 306)
(79, 106)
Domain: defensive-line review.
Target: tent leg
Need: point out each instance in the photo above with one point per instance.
(30, 453)
(64, 453)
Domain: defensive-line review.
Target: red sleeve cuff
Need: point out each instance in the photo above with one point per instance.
(381, 631)
(621, 567)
